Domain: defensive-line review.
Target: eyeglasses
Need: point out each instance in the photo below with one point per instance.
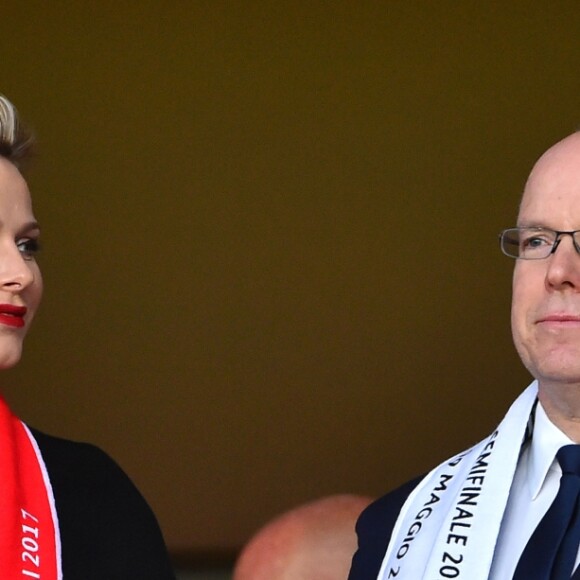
(534, 243)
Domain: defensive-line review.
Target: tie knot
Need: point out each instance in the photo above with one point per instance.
(569, 459)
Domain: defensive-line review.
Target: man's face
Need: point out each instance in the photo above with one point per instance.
(546, 293)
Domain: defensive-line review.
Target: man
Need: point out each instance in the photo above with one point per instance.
(315, 541)
(486, 513)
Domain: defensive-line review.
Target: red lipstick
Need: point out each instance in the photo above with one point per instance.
(12, 315)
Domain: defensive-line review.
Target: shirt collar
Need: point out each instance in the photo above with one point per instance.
(546, 441)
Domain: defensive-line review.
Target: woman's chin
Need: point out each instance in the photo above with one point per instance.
(8, 360)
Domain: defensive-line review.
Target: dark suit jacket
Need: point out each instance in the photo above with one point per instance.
(108, 532)
(374, 528)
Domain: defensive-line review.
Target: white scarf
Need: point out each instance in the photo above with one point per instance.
(449, 525)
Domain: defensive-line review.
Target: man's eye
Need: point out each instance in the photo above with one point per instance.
(535, 242)
(28, 248)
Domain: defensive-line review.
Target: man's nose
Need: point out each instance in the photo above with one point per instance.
(564, 264)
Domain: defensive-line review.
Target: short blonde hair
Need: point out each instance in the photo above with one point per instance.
(16, 141)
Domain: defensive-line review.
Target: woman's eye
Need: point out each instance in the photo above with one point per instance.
(28, 248)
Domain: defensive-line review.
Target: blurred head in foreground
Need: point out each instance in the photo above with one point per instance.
(315, 541)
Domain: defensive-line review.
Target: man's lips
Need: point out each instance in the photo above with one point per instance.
(562, 319)
(11, 315)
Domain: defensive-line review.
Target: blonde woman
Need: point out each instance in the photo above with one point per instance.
(66, 509)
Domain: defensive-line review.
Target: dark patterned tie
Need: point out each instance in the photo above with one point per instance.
(551, 551)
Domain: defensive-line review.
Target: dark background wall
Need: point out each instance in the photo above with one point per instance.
(270, 236)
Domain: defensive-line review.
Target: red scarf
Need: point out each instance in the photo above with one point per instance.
(29, 535)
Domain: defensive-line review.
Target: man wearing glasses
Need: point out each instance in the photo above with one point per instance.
(508, 507)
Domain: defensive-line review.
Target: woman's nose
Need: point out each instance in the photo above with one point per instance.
(15, 272)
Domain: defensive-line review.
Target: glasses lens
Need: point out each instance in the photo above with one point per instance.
(510, 242)
(527, 243)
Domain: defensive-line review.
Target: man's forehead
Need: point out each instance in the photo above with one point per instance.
(561, 159)
(555, 176)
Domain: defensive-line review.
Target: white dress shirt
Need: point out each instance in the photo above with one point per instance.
(535, 486)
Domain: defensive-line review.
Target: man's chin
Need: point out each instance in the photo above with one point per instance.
(549, 378)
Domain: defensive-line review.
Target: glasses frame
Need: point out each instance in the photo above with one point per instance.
(557, 239)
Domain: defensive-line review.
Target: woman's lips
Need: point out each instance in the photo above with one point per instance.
(11, 315)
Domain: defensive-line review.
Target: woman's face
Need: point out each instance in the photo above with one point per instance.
(20, 279)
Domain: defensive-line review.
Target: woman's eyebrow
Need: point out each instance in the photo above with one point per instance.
(25, 227)
(32, 225)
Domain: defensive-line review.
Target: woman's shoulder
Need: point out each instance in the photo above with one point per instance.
(107, 528)
(71, 458)
(79, 468)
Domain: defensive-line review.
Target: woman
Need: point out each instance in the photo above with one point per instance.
(66, 509)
